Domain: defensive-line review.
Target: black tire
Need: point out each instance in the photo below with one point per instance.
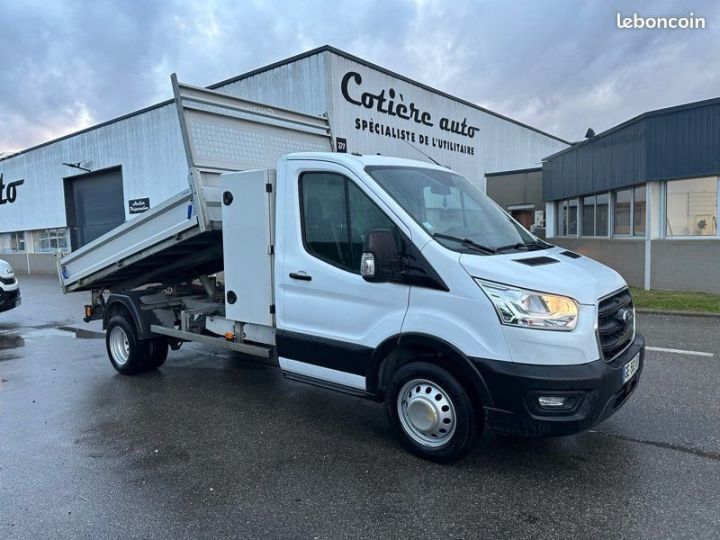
(157, 352)
(439, 422)
(125, 350)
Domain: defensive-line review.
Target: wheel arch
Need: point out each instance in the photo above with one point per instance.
(403, 348)
(120, 303)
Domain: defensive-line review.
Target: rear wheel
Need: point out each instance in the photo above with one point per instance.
(157, 352)
(125, 350)
(432, 412)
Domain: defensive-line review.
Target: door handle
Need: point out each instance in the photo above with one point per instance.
(302, 276)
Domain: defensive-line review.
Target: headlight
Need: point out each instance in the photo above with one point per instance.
(531, 309)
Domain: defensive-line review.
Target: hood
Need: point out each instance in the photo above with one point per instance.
(580, 278)
(5, 268)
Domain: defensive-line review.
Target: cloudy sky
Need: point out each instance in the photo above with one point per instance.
(561, 66)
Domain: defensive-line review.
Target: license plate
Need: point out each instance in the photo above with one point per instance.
(630, 369)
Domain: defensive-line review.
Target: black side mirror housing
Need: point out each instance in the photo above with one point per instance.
(380, 261)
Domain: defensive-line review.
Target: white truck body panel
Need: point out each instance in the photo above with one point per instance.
(248, 244)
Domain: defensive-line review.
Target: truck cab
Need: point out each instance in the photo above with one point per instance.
(9, 287)
(389, 279)
(403, 280)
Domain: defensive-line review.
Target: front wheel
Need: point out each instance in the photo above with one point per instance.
(432, 412)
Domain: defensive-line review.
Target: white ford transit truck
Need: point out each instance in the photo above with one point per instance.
(385, 278)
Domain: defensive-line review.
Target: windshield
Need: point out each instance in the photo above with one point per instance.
(452, 209)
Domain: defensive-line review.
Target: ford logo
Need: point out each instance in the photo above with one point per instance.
(625, 315)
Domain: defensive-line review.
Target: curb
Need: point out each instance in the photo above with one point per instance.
(704, 314)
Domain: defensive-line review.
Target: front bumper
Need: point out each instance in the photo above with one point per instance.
(597, 389)
(9, 299)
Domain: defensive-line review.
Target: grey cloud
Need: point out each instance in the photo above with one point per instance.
(558, 65)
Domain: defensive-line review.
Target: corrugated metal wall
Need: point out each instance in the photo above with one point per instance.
(299, 86)
(678, 143)
(147, 146)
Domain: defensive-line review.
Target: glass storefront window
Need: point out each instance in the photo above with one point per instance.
(561, 218)
(602, 214)
(52, 240)
(691, 207)
(572, 217)
(639, 211)
(17, 241)
(623, 200)
(588, 216)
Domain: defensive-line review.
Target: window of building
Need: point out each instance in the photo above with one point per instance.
(52, 240)
(691, 207)
(623, 203)
(639, 207)
(567, 217)
(567, 222)
(588, 216)
(602, 214)
(595, 215)
(561, 218)
(17, 241)
(12, 242)
(336, 217)
(572, 217)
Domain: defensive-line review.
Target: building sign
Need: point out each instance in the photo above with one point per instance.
(8, 193)
(138, 206)
(393, 105)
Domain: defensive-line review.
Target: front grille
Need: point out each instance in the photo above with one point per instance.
(7, 281)
(616, 324)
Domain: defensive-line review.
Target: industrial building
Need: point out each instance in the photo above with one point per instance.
(62, 194)
(641, 197)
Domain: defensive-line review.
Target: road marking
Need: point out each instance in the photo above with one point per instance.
(681, 351)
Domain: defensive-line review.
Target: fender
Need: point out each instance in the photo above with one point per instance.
(460, 361)
(131, 304)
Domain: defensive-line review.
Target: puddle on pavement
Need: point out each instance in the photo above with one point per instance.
(8, 327)
(14, 337)
(11, 341)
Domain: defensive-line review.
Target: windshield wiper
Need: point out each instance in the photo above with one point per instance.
(465, 242)
(537, 244)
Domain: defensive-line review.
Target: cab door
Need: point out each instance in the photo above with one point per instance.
(329, 319)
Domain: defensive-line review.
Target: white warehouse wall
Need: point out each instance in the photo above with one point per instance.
(498, 144)
(313, 85)
(147, 146)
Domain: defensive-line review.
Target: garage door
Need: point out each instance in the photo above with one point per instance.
(94, 204)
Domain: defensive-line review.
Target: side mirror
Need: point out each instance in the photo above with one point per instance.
(380, 261)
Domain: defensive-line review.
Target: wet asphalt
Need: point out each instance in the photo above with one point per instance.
(214, 445)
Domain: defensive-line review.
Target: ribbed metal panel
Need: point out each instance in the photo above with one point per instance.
(299, 86)
(680, 142)
(147, 147)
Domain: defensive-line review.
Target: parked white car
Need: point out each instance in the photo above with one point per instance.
(9, 287)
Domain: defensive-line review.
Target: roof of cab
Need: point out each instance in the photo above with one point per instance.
(364, 160)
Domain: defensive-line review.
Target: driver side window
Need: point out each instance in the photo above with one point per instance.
(336, 217)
